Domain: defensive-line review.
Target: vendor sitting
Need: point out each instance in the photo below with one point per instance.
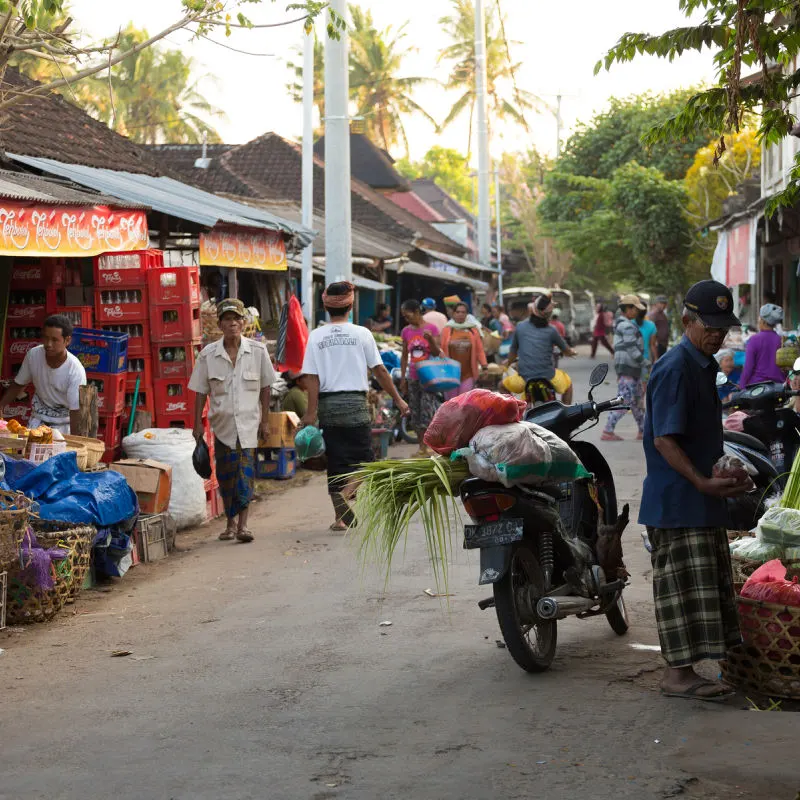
(56, 375)
(296, 399)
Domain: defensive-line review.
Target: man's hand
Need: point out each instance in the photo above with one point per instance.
(405, 411)
(428, 336)
(570, 352)
(723, 487)
(198, 432)
(263, 432)
(308, 419)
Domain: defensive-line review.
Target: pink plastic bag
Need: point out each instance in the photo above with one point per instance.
(735, 421)
(768, 584)
(459, 419)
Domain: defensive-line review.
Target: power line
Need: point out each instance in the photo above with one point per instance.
(235, 49)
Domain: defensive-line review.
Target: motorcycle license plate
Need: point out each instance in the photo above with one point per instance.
(492, 534)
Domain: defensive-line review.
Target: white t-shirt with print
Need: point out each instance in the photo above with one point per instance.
(57, 390)
(339, 354)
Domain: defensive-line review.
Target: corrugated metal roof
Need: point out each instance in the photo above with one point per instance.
(28, 188)
(413, 268)
(170, 197)
(457, 261)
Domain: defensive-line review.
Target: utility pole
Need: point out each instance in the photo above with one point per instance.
(498, 236)
(558, 126)
(338, 235)
(307, 275)
(484, 208)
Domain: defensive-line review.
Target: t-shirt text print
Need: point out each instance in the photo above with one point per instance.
(340, 356)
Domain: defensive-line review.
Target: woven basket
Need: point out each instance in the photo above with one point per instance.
(14, 516)
(94, 449)
(27, 602)
(81, 455)
(768, 661)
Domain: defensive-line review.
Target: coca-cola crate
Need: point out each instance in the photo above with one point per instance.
(139, 367)
(145, 401)
(113, 270)
(10, 368)
(20, 408)
(174, 323)
(19, 341)
(38, 273)
(111, 455)
(79, 316)
(120, 305)
(110, 392)
(138, 336)
(30, 307)
(109, 430)
(175, 421)
(100, 350)
(176, 359)
(173, 397)
(169, 286)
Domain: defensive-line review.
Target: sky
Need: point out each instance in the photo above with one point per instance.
(557, 44)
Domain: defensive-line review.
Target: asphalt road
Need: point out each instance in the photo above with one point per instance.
(262, 671)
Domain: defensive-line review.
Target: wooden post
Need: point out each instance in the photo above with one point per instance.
(87, 425)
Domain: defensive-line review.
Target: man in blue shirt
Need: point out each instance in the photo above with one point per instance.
(683, 503)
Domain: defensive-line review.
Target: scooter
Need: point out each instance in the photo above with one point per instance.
(551, 551)
(390, 415)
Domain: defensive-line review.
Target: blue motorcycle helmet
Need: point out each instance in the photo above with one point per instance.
(429, 304)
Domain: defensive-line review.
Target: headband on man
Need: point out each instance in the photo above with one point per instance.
(339, 300)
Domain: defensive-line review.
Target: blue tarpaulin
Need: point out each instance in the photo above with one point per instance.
(67, 494)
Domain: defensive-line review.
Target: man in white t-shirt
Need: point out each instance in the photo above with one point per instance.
(56, 375)
(338, 357)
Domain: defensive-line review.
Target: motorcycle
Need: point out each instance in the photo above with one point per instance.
(390, 415)
(768, 444)
(551, 551)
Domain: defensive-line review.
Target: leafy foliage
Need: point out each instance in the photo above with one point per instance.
(449, 168)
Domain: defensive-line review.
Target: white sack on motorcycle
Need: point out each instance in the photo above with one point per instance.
(521, 453)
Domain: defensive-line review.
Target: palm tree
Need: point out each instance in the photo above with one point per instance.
(152, 97)
(382, 96)
(35, 65)
(500, 71)
(295, 86)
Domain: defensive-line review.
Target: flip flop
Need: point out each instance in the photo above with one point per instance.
(691, 692)
(227, 535)
(339, 526)
(244, 535)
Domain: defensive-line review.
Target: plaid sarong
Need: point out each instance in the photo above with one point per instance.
(236, 473)
(693, 592)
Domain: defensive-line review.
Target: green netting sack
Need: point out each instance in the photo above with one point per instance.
(308, 443)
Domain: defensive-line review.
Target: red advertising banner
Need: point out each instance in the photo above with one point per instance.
(69, 230)
(264, 250)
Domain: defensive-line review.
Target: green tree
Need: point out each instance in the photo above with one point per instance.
(153, 98)
(505, 101)
(449, 168)
(760, 35)
(382, 95)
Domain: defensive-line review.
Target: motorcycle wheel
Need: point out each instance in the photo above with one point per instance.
(532, 645)
(406, 434)
(617, 616)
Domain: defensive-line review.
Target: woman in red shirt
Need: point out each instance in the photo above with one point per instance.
(601, 326)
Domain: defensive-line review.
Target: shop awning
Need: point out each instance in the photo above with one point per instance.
(359, 281)
(170, 197)
(457, 261)
(412, 268)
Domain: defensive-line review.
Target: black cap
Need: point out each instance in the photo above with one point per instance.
(712, 301)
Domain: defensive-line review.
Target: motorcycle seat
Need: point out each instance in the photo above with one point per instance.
(471, 485)
(746, 440)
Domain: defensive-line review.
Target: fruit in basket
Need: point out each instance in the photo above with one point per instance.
(15, 427)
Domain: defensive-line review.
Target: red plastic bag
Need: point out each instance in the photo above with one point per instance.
(768, 584)
(290, 355)
(459, 419)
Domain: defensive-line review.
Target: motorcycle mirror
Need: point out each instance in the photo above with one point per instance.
(722, 378)
(599, 375)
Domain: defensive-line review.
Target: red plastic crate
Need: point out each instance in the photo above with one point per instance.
(20, 409)
(112, 270)
(139, 367)
(173, 397)
(175, 359)
(30, 308)
(111, 455)
(175, 421)
(109, 430)
(169, 286)
(38, 273)
(110, 392)
(174, 323)
(79, 316)
(144, 402)
(123, 306)
(19, 341)
(138, 336)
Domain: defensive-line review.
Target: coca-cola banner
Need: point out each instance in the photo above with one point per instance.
(244, 250)
(69, 230)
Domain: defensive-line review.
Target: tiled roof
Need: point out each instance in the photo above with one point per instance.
(369, 164)
(270, 168)
(439, 200)
(50, 127)
(412, 202)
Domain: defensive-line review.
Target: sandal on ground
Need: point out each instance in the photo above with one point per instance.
(227, 534)
(611, 437)
(244, 535)
(691, 693)
(340, 525)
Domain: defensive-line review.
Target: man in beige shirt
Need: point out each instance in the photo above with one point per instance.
(235, 374)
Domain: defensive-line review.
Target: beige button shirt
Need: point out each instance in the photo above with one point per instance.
(233, 390)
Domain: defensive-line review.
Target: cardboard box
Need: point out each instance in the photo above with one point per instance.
(151, 480)
(282, 427)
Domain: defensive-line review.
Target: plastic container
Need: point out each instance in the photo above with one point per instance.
(172, 396)
(112, 270)
(110, 391)
(124, 306)
(138, 336)
(175, 323)
(439, 374)
(174, 286)
(175, 359)
(276, 463)
(79, 316)
(99, 350)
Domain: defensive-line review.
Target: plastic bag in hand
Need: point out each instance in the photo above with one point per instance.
(201, 459)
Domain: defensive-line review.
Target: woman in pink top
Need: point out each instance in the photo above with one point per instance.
(420, 342)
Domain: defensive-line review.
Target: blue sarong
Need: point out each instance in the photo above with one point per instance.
(236, 473)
